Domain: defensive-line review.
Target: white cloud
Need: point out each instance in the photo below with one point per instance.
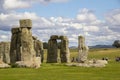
(5, 35)
(76, 25)
(91, 28)
(16, 4)
(13, 4)
(86, 15)
(95, 30)
(113, 20)
(51, 1)
(4, 17)
(7, 21)
(113, 17)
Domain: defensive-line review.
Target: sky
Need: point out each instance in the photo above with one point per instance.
(97, 20)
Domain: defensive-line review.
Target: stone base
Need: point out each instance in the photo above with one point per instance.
(29, 64)
(4, 65)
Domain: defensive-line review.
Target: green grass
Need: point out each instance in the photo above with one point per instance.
(62, 72)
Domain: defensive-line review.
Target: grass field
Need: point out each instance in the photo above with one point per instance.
(62, 72)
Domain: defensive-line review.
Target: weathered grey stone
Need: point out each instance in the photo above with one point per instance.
(4, 65)
(32, 64)
(22, 43)
(27, 45)
(38, 46)
(82, 49)
(52, 51)
(52, 55)
(54, 37)
(64, 51)
(15, 50)
(4, 52)
(90, 63)
(26, 23)
(63, 37)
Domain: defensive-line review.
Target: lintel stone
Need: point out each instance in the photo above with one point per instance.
(25, 23)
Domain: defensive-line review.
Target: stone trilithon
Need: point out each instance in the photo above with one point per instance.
(52, 56)
(22, 45)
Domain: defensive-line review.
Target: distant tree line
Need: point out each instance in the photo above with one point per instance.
(45, 45)
(116, 43)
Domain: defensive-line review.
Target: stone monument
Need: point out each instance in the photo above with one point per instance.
(22, 45)
(38, 46)
(82, 49)
(83, 54)
(52, 50)
(15, 50)
(52, 55)
(64, 50)
(4, 52)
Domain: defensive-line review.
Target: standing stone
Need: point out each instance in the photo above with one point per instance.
(4, 52)
(64, 50)
(52, 50)
(22, 44)
(41, 50)
(38, 46)
(82, 49)
(27, 46)
(52, 55)
(15, 50)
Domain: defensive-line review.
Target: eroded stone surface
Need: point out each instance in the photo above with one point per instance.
(22, 44)
(15, 46)
(82, 49)
(4, 65)
(38, 46)
(64, 51)
(26, 23)
(52, 55)
(35, 63)
(52, 51)
(90, 63)
(5, 52)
